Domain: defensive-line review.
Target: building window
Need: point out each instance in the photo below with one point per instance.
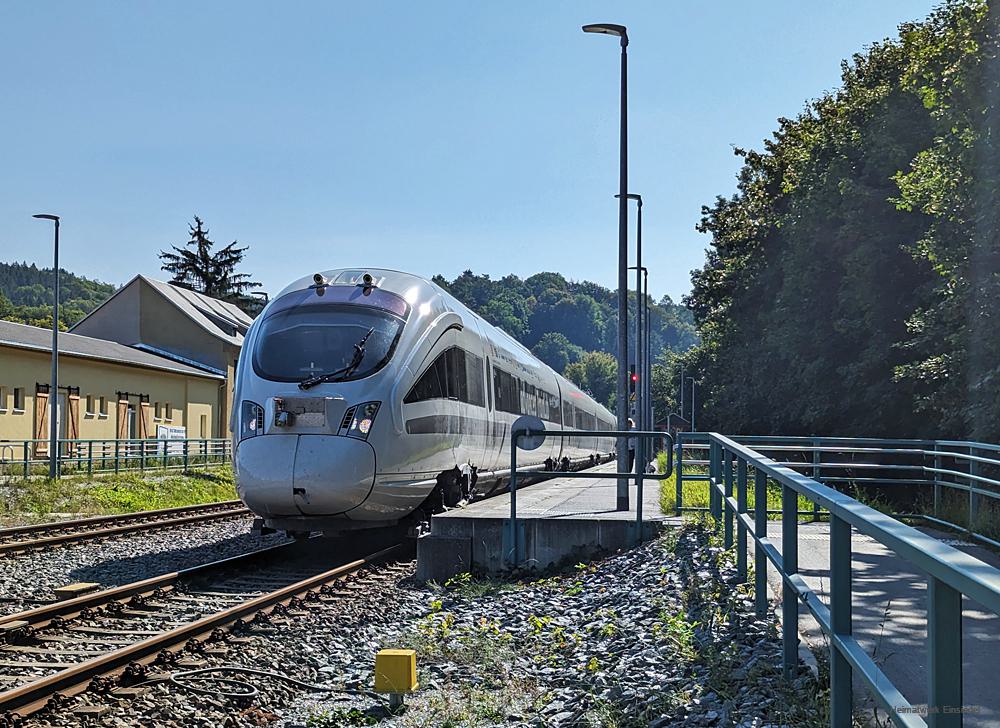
(168, 412)
(19, 399)
(102, 407)
(204, 426)
(90, 405)
(3, 399)
(156, 410)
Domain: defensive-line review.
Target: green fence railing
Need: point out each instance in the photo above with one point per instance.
(21, 458)
(734, 468)
(959, 481)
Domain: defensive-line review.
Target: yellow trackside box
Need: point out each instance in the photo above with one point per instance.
(395, 671)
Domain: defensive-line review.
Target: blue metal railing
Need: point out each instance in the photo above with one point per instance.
(951, 574)
(22, 459)
(934, 468)
(521, 433)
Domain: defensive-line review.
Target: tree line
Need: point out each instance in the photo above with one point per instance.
(26, 295)
(852, 283)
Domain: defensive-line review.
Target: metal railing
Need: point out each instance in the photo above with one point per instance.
(523, 434)
(957, 479)
(951, 574)
(18, 458)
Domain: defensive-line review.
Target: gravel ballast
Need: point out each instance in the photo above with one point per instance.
(28, 578)
(654, 637)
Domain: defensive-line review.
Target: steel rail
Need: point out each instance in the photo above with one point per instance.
(116, 517)
(32, 697)
(131, 527)
(39, 617)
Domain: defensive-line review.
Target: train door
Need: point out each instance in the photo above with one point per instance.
(561, 445)
(494, 427)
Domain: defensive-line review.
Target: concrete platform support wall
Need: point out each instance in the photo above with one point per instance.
(456, 545)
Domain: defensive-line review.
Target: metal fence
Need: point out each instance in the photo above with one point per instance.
(951, 574)
(957, 482)
(20, 459)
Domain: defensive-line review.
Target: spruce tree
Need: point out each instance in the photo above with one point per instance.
(198, 267)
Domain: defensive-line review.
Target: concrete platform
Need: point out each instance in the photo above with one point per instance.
(560, 520)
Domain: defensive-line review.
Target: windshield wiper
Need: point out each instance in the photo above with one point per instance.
(343, 373)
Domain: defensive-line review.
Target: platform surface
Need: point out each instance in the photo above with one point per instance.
(570, 498)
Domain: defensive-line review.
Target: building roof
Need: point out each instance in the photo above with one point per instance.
(22, 336)
(221, 319)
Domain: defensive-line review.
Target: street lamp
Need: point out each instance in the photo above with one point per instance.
(620, 31)
(680, 408)
(638, 268)
(648, 391)
(691, 379)
(54, 386)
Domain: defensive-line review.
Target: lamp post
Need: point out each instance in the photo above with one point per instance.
(54, 386)
(641, 346)
(638, 268)
(648, 391)
(691, 379)
(620, 32)
(680, 408)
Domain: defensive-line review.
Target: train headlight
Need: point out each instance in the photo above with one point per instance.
(361, 423)
(251, 420)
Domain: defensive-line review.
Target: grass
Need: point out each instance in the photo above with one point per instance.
(954, 508)
(31, 501)
(695, 495)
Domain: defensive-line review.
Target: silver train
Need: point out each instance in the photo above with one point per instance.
(367, 397)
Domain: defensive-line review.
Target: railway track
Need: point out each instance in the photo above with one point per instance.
(57, 533)
(61, 648)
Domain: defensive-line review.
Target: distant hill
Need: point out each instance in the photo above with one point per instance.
(26, 295)
(561, 320)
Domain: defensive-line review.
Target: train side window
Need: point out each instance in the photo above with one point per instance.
(489, 384)
(508, 392)
(432, 383)
(498, 390)
(474, 377)
(455, 374)
(457, 384)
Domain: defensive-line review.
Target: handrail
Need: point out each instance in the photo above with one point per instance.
(522, 433)
(951, 574)
(107, 455)
(922, 464)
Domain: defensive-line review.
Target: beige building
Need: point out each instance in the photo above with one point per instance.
(182, 325)
(106, 390)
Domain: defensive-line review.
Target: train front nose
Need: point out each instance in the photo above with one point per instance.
(285, 475)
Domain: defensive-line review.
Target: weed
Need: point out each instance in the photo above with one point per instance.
(469, 587)
(677, 629)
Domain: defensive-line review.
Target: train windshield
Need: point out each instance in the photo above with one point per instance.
(317, 337)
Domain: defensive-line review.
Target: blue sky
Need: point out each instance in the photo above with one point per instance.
(429, 137)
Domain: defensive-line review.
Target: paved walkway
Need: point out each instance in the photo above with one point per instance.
(890, 617)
